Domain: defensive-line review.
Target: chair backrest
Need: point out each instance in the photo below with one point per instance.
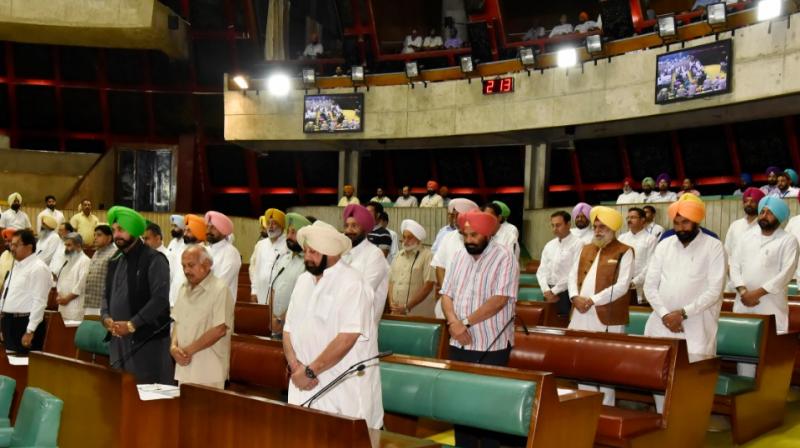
(90, 337)
(531, 313)
(258, 362)
(7, 387)
(38, 419)
(526, 278)
(480, 401)
(409, 337)
(530, 294)
(636, 322)
(252, 318)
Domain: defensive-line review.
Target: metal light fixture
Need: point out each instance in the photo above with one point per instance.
(357, 73)
(309, 77)
(412, 69)
(466, 64)
(567, 57)
(241, 82)
(666, 26)
(526, 57)
(594, 44)
(769, 9)
(716, 14)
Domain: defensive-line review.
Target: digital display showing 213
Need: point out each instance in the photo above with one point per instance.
(498, 85)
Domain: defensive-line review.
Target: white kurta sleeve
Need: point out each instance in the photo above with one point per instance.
(543, 273)
(40, 287)
(735, 265)
(80, 278)
(788, 264)
(252, 270)
(572, 281)
(652, 281)
(621, 286)
(716, 281)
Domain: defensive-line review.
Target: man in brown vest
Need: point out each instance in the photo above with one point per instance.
(599, 283)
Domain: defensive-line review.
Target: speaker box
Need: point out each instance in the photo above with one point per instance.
(617, 21)
(479, 41)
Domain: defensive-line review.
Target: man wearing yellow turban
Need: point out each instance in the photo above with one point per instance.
(684, 282)
(265, 254)
(599, 282)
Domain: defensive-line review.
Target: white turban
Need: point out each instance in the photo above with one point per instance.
(14, 196)
(178, 221)
(461, 205)
(324, 238)
(415, 228)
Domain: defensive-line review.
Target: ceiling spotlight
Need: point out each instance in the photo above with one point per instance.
(309, 77)
(466, 64)
(412, 70)
(241, 82)
(567, 57)
(279, 84)
(594, 44)
(666, 25)
(717, 15)
(526, 57)
(357, 73)
(768, 9)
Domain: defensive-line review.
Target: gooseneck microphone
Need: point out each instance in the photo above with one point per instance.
(357, 367)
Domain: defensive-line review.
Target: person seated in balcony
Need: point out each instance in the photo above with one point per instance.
(562, 28)
(688, 187)
(314, 48)
(453, 41)
(433, 41)
(663, 194)
(745, 182)
(785, 188)
(585, 24)
(537, 31)
(412, 43)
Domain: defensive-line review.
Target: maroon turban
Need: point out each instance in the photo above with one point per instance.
(363, 217)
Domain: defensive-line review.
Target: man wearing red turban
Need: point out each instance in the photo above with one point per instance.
(432, 199)
(227, 260)
(478, 298)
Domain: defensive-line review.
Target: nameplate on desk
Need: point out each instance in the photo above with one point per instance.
(72, 323)
(562, 391)
(148, 392)
(18, 360)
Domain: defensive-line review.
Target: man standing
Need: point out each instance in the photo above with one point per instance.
(71, 278)
(24, 296)
(380, 197)
(85, 222)
(153, 238)
(762, 266)
(14, 218)
(405, 199)
(94, 283)
(57, 260)
(329, 327)
(450, 244)
(507, 234)
(49, 210)
(365, 257)
(203, 315)
(227, 260)
(643, 245)
(628, 196)
(383, 222)
(772, 180)
(558, 257)
(6, 258)
(193, 233)
(49, 240)
(176, 232)
(411, 276)
(378, 235)
(784, 187)
(135, 306)
(582, 229)
(265, 254)
(432, 199)
(478, 303)
(651, 226)
(287, 269)
(456, 206)
(750, 200)
(348, 197)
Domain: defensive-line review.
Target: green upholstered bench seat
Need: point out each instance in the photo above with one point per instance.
(89, 337)
(636, 322)
(528, 279)
(409, 338)
(530, 294)
(730, 384)
(7, 387)
(37, 423)
(793, 289)
(480, 401)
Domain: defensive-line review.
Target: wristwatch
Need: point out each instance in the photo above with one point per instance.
(465, 322)
(683, 314)
(131, 328)
(310, 373)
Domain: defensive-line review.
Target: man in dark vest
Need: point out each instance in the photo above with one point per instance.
(599, 282)
(135, 307)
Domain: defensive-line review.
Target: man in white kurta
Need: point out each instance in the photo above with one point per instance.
(365, 257)
(51, 211)
(580, 217)
(266, 252)
(48, 241)
(71, 278)
(194, 233)
(643, 245)
(227, 260)
(738, 228)
(329, 327)
(507, 234)
(628, 195)
(558, 257)
(651, 226)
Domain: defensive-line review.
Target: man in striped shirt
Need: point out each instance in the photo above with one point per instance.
(478, 292)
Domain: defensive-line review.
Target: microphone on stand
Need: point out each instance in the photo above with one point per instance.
(357, 367)
(524, 327)
(486, 352)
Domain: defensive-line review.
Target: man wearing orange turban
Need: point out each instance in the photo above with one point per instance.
(478, 298)
(684, 282)
(227, 260)
(194, 232)
(7, 258)
(697, 209)
(267, 251)
(432, 199)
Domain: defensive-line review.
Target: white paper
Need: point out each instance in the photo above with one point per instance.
(18, 360)
(149, 392)
(72, 323)
(562, 392)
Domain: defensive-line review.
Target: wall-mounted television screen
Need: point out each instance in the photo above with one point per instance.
(695, 72)
(342, 112)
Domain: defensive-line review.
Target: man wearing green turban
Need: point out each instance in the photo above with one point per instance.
(135, 307)
(286, 271)
(507, 234)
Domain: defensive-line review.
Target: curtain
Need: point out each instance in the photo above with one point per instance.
(277, 30)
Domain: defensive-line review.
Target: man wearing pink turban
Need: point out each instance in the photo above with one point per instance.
(479, 313)
(684, 283)
(580, 216)
(365, 257)
(227, 260)
(432, 199)
(448, 242)
(750, 199)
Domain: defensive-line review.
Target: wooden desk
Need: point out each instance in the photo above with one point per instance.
(59, 339)
(212, 417)
(102, 406)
